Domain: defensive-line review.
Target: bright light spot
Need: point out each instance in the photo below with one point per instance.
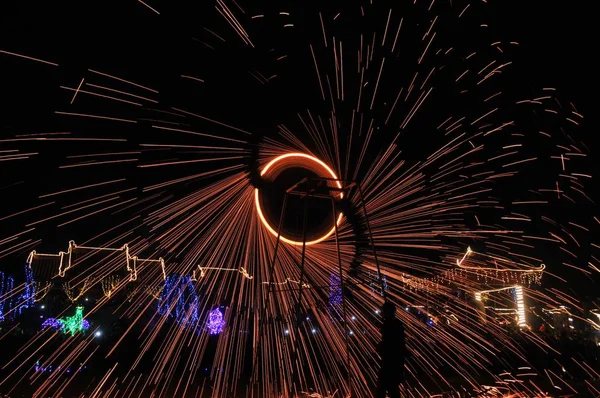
(520, 306)
(42, 306)
(314, 330)
(353, 318)
(406, 308)
(98, 333)
(287, 331)
(351, 332)
(377, 311)
(86, 299)
(570, 319)
(307, 318)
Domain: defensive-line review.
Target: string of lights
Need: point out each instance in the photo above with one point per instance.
(73, 293)
(109, 284)
(179, 300)
(65, 258)
(287, 281)
(6, 286)
(203, 270)
(519, 301)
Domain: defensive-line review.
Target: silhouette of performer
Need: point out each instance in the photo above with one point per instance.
(392, 352)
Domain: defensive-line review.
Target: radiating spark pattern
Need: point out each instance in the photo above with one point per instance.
(453, 186)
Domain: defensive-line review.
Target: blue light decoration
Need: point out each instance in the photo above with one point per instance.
(28, 296)
(6, 285)
(335, 290)
(1, 295)
(215, 321)
(70, 324)
(179, 300)
(39, 368)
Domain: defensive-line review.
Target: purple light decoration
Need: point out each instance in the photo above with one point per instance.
(52, 323)
(61, 325)
(215, 321)
(1, 294)
(335, 290)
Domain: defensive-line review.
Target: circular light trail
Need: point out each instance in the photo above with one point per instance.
(308, 162)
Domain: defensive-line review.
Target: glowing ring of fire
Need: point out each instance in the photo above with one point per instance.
(311, 163)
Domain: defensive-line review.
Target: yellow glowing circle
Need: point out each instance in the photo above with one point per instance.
(312, 163)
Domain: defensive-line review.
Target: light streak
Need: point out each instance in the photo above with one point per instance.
(28, 57)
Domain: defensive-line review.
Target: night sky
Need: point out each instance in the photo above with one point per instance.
(555, 50)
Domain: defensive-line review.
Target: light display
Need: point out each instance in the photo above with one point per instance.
(71, 292)
(39, 368)
(6, 285)
(504, 270)
(52, 323)
(215, 321)
(1, 295)
(288, 281)
(179, 300)
(517, 293)
(28, 297)
(203, 270)
(66, 257)
(520, 300)
(335, 290)
(109, 285)
(69, 325)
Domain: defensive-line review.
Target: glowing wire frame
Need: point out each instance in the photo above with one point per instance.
(215, 322)
(324, 169)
